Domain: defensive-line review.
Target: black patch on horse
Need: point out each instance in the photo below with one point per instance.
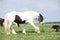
(18, 20)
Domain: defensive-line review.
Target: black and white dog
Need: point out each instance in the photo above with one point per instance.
(56, 27)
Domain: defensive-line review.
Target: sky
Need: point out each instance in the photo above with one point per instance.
(50, 9)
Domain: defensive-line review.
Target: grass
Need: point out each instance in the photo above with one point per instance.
(47, 33)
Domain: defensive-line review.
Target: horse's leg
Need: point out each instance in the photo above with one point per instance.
(7, 28)
(36, 28)
(24, 30)
(18, 24)
(13, 31)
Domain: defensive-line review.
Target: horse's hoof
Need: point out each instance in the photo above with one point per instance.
(38, 32)
(14, 33)
(24, 32)
(7, 33)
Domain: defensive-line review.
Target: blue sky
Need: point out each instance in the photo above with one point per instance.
(50, 9)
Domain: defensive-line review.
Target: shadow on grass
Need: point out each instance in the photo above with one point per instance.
(29, 31)
(26, 32)
(42, 31)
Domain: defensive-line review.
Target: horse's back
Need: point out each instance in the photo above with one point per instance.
(11, 15)
(26, 15)
(30, 14)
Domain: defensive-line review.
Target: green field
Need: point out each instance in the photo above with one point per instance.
(47, 33)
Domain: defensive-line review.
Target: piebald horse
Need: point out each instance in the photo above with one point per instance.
(26, 16)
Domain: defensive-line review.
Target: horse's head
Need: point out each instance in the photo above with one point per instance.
(40, 18)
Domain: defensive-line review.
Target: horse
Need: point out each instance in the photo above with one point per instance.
(24, 17)
(1, 21)
(17, 18)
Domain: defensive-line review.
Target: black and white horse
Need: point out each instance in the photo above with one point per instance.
(22, 17)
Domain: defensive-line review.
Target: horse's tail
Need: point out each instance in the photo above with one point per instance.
(6, 24)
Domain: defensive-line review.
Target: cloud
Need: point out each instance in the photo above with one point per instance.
(48, 6)
(24, 9)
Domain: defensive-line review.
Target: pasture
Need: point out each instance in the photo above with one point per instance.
(47, 33)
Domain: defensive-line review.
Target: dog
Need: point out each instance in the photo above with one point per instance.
(56, 27)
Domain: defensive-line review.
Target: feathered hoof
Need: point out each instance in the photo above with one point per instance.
(7, 33)
(14, 33)
(24, 32)
(37, 30)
